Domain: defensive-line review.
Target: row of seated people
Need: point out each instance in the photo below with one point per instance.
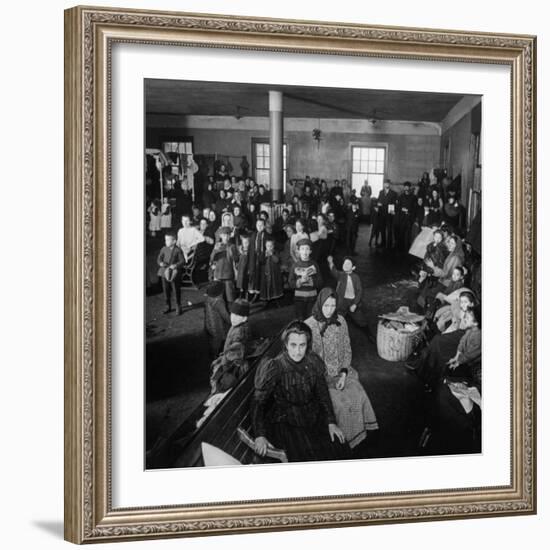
(448, 357)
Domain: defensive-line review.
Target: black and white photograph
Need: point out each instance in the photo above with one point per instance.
(312, 273)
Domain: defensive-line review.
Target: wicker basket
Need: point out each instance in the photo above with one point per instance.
(396, 345)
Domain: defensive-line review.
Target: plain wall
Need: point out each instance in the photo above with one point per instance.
(460, 158)
(408, 155)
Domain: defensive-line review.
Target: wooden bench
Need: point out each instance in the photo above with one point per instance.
(183, 447)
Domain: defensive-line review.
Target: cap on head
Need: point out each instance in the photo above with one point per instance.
(240, 307)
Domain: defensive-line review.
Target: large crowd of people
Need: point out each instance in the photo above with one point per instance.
(309, 400)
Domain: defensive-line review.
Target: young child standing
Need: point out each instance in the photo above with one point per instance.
(256, 259)
(242, 265)
(166, 214)
(223, 259)
(305, 278)
(216, 317)
(272, 280)
(349, 292)
(154, 217)
(170, 260)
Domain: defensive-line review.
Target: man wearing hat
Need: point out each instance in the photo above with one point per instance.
(305, 278)
(387, 200)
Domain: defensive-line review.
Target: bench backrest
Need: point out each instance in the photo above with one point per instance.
(220, 428)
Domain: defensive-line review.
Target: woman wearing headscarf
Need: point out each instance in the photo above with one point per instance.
(330, 340)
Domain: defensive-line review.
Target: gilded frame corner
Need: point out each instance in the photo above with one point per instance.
(89, 35)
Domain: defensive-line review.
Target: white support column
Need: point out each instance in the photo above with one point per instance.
(276, 145)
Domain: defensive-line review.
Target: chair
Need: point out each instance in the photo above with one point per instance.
(187, 271)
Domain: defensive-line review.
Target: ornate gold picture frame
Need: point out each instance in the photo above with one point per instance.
(90, 34)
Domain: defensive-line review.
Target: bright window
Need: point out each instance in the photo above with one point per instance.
(368, 163)
(262, 163)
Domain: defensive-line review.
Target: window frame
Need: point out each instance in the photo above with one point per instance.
(368, 145)
(265, 141)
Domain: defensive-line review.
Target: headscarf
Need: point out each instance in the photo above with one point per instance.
(317, 311)
(459, 250)
(454, 259)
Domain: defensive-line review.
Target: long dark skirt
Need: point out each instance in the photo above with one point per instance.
(432, 364)
(307, 443)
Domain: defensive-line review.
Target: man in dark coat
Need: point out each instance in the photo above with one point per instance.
(405, 209)
(352, 226)
(257, 259)
(387, 200)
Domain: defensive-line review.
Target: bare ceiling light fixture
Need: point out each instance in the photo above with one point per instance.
(317, 133)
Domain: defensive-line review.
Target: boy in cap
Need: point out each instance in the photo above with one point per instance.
(227, 369)
(349, 292)
(240, 330)
(170, 261)
(305, 279)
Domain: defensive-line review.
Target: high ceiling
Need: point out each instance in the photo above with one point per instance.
(180, 97)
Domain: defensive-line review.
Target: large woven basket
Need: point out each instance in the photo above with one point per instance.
(396, 345)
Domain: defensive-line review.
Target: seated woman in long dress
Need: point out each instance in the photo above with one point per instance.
(352, 406)
(291, 406)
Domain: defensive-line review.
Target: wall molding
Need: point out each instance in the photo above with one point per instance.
(332, 125)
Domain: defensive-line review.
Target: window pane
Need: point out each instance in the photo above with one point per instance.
(262, 177)
(376, 181)
(380, 167)
(372, 167)
(380, 154)
(357, 182)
